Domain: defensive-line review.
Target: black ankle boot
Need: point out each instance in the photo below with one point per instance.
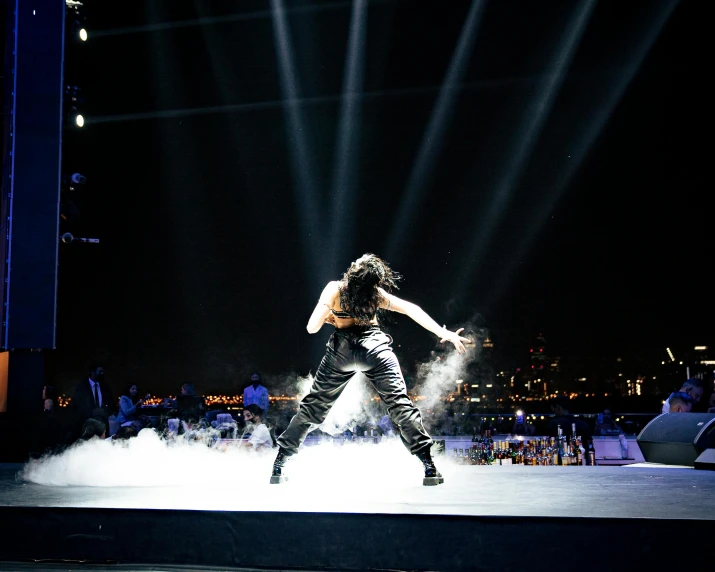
(432, 475)
(278, 477)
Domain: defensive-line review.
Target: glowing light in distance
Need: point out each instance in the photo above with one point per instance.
(670, 354)
(519, 413)
(83, 34)
(79, 120)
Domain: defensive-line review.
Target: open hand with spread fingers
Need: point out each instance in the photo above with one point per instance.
(458, 341)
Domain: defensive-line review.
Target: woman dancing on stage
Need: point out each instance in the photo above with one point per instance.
(358, 344)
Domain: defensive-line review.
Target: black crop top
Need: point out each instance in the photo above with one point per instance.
(341, 314)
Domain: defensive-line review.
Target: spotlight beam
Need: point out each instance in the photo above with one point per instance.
(218, 57)
(304, 185)
(532, 123)
(591, 132)
(204, 21)
(433, 137)
(329, 99)
(347, 138)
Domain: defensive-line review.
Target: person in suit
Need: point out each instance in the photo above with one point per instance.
(93, 397)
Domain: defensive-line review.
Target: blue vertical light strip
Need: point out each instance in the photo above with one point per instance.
(11, 181)
(33, 175)
(60, 118)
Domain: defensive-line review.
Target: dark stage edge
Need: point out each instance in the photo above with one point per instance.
(493, 518)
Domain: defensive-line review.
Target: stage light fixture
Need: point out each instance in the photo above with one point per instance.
(78, 179)
(68, 238)
(75, 18)
(73, 101)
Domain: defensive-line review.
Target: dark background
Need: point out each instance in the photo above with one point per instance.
(203, 272)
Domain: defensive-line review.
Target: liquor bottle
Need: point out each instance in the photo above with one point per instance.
(581, 461)
(560, 445)
(591, 453)
(573, 459)
(573, 455)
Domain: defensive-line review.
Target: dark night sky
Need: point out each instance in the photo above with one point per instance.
(204, 270)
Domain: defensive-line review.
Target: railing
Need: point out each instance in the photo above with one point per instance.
(468, 424)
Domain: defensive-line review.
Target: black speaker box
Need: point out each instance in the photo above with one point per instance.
(677, 438)
(706, 460)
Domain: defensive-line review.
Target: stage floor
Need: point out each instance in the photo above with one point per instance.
(521, 491)
(482, 518)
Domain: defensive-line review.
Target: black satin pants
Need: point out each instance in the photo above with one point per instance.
(351, 350)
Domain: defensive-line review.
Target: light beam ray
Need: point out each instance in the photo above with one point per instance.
(348, 139)
(204, 21)
(591, 132)
(301, 160)
(304, 102)
(433, 137)
(534, 118)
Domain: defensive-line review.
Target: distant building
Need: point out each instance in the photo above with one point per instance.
(681, 364)
(539, 380)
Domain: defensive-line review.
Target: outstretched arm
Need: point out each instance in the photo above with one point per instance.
(392, 302)
(322, 308)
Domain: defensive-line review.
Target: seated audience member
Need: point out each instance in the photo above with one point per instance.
(124, 433)
(260, 435)
(680, 402)
(563, 418)
(186, 389)
(50, 431)
(711, 404)
(605, 425)
(93, 428)
(692, 387)
(191, 407)
(128, 404)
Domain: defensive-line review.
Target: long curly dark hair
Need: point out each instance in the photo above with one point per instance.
(359, 294)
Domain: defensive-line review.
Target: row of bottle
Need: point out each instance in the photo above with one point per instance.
(553, 451)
